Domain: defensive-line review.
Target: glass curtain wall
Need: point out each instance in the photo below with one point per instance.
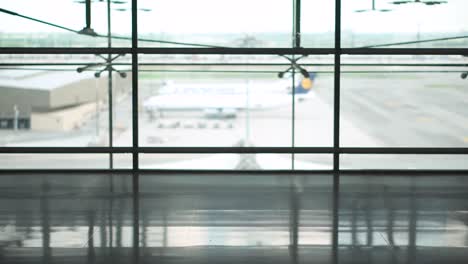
(354, 109)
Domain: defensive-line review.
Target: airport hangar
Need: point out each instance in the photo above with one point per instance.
(53, 100)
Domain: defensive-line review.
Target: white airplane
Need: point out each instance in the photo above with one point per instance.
(225, 100)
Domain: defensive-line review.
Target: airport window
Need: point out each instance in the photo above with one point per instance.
(309, 78)
(280, 128)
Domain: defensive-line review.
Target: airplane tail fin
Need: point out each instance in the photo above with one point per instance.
(306, 84)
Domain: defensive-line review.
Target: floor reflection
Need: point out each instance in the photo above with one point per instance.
(227, 219)
(232, 218)
(402, 219)
(65, 218)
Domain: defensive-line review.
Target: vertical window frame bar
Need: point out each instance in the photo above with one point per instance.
(336, 133)
(135, 136)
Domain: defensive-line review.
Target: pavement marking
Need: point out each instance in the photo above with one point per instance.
(392, 103)
(424, 119)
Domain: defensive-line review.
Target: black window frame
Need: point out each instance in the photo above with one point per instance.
(336, 150)
(337, 51)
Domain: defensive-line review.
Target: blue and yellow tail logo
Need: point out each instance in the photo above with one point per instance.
(306, 84)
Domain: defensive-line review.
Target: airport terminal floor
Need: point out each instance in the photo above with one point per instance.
(233, 218)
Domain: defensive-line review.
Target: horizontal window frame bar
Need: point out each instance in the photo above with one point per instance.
(253, 71)
(404, 150)
(60, 64)
(161, 150)
(8, 50)
(239, 51)
(66, 172)
(142, 50)
(402, 172)
(65, 150)
(319, 71)
(302, 64)
(307, 51)
(235, 150)
(161, 171)
(404, 51)
(164, 172)
(246, 64)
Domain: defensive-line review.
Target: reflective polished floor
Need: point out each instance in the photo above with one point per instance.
(228, 218)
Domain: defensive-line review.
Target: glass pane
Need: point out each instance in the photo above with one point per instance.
(78, 218)
(38, 24)
(377, 22)
(197, 161)
(313, 113)
(317, 23)
(403, 219)
(312, 162)
(54, 161)
(215, 100)
(423, 162)
(262, 218)
(236, 161)
(123, 161)
(404, 101)
(65, 161)
(242, 23)
(56, 100)
(215, 161)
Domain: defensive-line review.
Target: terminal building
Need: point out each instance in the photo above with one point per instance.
(52, 100)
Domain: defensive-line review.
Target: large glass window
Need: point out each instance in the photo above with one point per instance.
(287, 131)
(254, 79)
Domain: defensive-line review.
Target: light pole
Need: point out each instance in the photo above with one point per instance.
(108, 63)
(87, 30)
(247, 114)
(98, 115)
(247, 41)
(15, 117)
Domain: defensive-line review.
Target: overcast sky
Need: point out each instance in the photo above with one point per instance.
(238, 16)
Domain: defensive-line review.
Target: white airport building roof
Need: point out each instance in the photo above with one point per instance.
(40, 79)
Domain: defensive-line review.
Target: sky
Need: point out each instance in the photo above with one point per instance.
(238, 16)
